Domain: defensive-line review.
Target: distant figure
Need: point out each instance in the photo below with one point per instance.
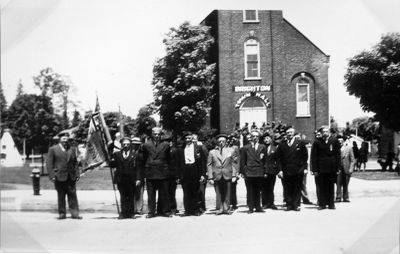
(390, 157)
(356, 155)
(362, 156)
(346, 169)
(62, 164)
(253, 127)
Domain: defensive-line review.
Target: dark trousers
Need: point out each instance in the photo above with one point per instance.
(304, 193)
(67, 188)
(172, 193)
(342, 182)
(190, 196)
(326, 183)
(160, 185)
(138, 207)
(317, 188)
(292, 188)
(223, 193)
(127, 196)
(233, 194)
(268, 197)
(202, 196)
(253, 186)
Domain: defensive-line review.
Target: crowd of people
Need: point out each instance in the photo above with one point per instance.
(159, 164)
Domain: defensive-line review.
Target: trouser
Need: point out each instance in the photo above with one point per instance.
(138, 207)
(190, 195)
(172, 193)
(326, 183)
(160, 185)
(127, 193)
(284, 191)
(202, 196)
(67, 188)
(317, 189)
(223, 192)
(304, 193)
(292, 188)
(233, 194)
(253, 185)
(342, 182)
(268, 198)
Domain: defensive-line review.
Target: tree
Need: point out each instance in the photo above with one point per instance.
(366, 128)
(3, 105)
(58, 87)
(374, 76)
(76, 119)
(20, 89)
(31, 118)
(144, 122)
(184, 78)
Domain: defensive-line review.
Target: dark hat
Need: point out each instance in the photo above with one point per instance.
(221, 135)
(187, 133)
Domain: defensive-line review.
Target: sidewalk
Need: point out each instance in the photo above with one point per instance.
(104, 200)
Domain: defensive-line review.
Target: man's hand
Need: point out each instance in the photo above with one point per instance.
(138, 182)
(338, 173)
(265, 175)
(316, 174)
(305, 171)
(234, 179)
(202, 179)
(53, 179)
(77, 179)
(178, 181)
(280, 175)
(211, 182)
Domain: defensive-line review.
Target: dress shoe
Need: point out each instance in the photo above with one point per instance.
(122, 217)
(346, 200)
(307, 202)
(332, 207)
(250, 211)
(297, 209)
(62, 217)
(219, 213)
(260, 210)
(321, 207)
(166, 215)
(148, 216)
(288, 208)
(77, 217)
(234, 207)
(273, 207)
(338, 200)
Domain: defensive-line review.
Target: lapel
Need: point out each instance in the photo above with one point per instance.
(63, 154)
(252, 152)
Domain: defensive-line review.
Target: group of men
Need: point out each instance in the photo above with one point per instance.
(161, 164)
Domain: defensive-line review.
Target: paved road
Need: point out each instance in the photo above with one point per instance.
(366, 225)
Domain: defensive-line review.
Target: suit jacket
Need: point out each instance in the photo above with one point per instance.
(252, 162)
(200, 163)
(222, 165)
(156, 159)
(347, 159)
(271, 162)
(61, 164)
(292, 160)
(127, 169)
(325, 157)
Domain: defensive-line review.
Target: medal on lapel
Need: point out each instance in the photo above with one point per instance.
(330, 147)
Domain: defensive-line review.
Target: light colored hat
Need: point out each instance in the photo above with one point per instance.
(136, 140)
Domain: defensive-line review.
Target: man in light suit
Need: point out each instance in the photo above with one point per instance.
(222, 170)
(62, 165)
(347, 166)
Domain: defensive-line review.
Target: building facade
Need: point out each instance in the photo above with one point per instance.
(266, 71)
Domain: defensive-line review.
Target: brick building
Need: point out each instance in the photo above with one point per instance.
(267, 70)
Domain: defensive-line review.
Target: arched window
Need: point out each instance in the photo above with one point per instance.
(303, 97)
(252, 59)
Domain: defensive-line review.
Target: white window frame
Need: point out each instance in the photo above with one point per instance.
(245, 20)
(307, 114)
(246, 43)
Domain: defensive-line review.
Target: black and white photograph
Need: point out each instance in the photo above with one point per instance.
(200, 126)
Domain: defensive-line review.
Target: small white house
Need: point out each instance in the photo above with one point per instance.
(9, 155)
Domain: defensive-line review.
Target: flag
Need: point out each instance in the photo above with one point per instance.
(120, 122)
(97, 107)
(96, 151)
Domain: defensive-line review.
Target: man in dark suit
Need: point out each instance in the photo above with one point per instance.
(271, 165)
(292, 158)
(222, 170)
(203, 184)
(326, 161)
(156, 159)
(252, 168)
(127, 175)
(192, 172)
(62, 165)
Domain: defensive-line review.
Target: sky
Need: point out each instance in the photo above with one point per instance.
(108, 47)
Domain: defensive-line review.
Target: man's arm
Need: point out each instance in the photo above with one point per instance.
(50, 164)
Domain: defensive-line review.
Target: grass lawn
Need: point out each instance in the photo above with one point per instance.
(19, 178)
(376, 175)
